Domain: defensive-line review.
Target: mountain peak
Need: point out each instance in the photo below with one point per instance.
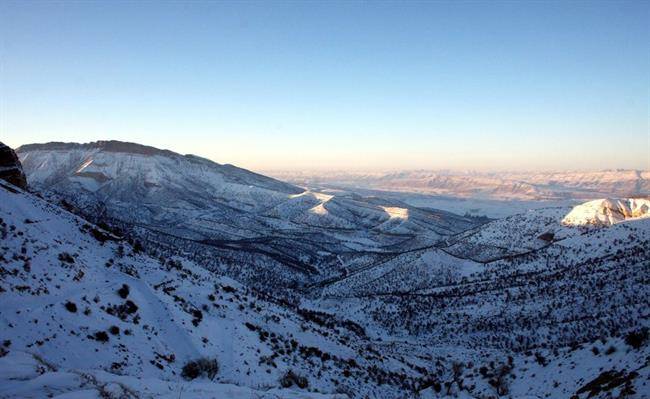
(607, 211)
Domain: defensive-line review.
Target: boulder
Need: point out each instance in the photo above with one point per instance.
(10, 168)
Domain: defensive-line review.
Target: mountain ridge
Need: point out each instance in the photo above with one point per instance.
(115, 146)
(224, 209)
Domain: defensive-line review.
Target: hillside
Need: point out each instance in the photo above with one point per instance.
(223, 216)
(69, 288)
(487, 283)
(608, 212)
(394, 301)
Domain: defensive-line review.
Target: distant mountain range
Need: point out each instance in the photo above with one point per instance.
(488, 186)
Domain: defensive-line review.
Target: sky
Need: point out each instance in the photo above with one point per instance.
(336, 85)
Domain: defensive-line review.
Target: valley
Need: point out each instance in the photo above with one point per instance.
(316, 290)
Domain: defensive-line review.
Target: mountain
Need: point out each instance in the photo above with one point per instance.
(525, 285)
(103, 165)
(608, 211)
(85, 312)
(254, 228)
(489, 186)
(431, 326)
(392, 301)
(500, 283)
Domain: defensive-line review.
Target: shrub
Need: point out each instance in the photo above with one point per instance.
(208, 367)
(198, 316)
(250, 326)
(71, 307)
(130, 307)
(229, 289)
(114, 330)
(124, 310)
(137, 247)
(101, 336)
(66, 257)
(124, 291)
(99, 235)
(636, 339)
(290, 378)
(500, 380)
(540, 359)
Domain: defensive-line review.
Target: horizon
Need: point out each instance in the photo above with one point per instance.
(337, 86)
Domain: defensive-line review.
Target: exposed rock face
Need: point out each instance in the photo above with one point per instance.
(10, 168)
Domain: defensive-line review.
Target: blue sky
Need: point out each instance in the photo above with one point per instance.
(336, 85)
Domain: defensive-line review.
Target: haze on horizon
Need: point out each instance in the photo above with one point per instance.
(336, 85)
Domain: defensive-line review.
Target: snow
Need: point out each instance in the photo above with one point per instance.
(395, 212)
(84, 165)
(34, 320)
(20, 377)
(319, 210)
(49, 350)
(396, 298)
(274, 226)
(608, 211)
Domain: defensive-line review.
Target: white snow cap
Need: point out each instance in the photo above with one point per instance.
(608, 211)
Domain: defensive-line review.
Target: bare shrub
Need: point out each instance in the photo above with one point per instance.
(208, 367)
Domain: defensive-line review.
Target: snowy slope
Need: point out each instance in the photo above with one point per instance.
(559, 300)
(107, 163)
(536, 229)
(394, 322)
(608, 211)
(52, 258)
(226, 217)
(64, 304)
(27, 376)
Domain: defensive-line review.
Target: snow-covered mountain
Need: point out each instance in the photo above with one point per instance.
(394, 301)
(84, 311)
(103, 166)
(227, 216)
(69, 288)
(608, 211)
(526, 284)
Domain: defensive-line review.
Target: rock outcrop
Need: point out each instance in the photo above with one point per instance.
(10, 168)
